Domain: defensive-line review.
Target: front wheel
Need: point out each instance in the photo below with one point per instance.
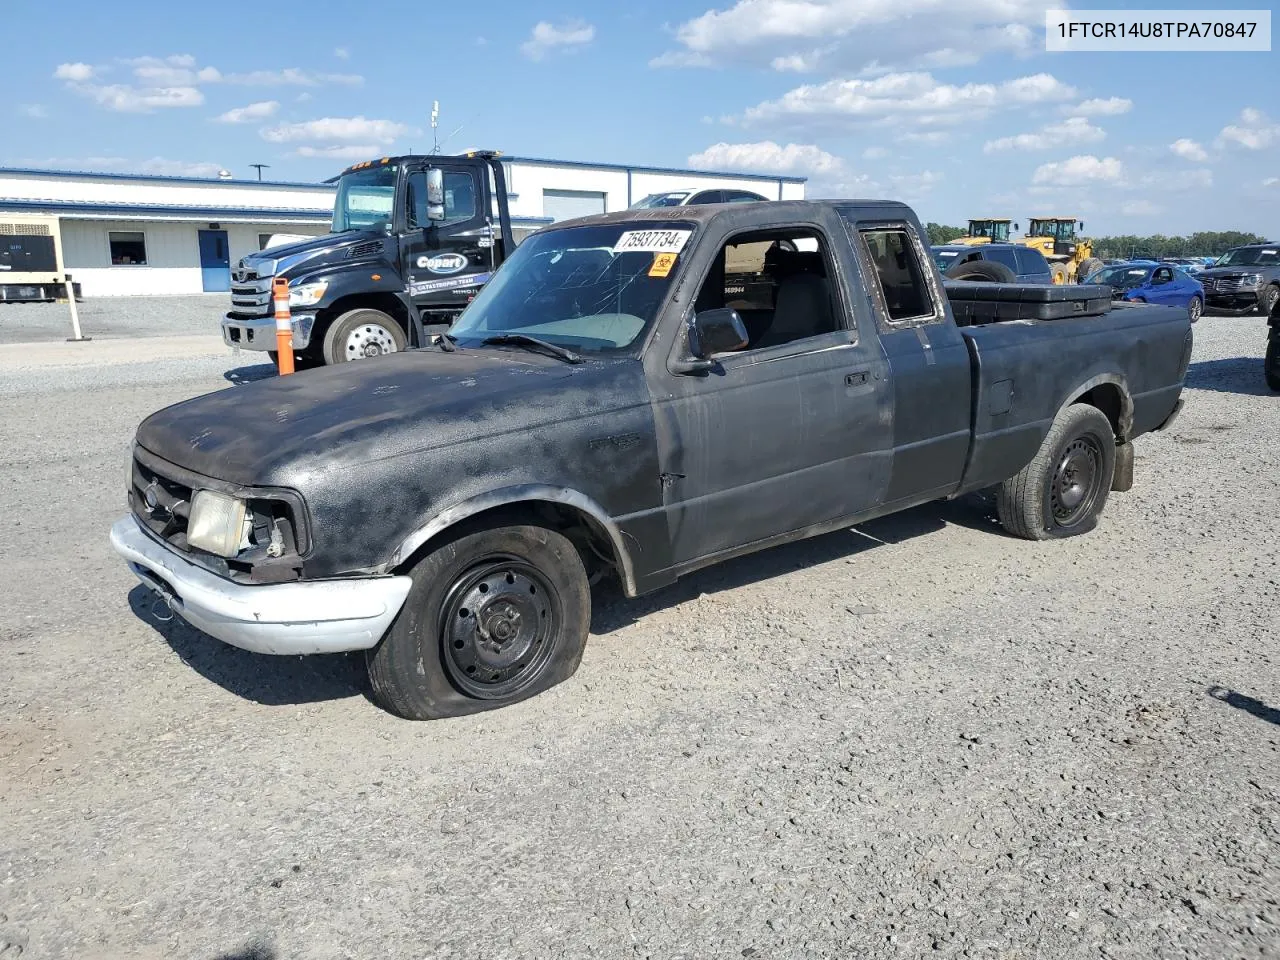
(1062, 491)
(1059, 273)
(1271, 363)
(1268, 299)
(1195, 309)
(361, 333)
(494, 617)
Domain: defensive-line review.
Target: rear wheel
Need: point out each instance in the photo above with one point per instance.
(1271, 363)
(1088, 267)
(362, 333)
(1062, 491)
(1195, 309)
(494, 617)
(1059, 273)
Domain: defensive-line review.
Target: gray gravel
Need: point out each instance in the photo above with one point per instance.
(114, 317)
(919, 738)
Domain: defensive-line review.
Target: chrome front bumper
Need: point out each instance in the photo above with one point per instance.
(260, 332)
(316, 616)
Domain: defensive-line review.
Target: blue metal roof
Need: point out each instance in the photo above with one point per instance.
(92, 175)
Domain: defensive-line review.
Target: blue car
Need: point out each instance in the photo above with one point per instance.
(1141, 281)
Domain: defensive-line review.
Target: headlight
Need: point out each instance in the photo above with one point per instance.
(217, 523)
(1251, 280)
(307, 294)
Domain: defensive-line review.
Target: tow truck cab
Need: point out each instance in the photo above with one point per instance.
(413, 238)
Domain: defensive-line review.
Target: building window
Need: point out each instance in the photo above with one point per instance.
(263, 240)
(127, 248)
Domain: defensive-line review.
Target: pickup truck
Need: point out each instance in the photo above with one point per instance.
(617, 401)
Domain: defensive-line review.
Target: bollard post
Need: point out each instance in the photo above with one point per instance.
(284, 325)
(75, 314)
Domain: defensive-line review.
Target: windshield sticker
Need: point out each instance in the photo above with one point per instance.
(1270, 253)
(652, 241)
(453, 283)
(1137, 273)
(662, 264)
(949, 253)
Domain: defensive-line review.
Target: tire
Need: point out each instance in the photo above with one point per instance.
(1271, 363)
(1268, 299)
(361, 333)
(1059, 273)
(439, 660)
(1087, 267)
(984, 271)
(1048, 499)
(1195, 309)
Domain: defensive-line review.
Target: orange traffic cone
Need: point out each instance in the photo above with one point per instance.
(284, 325)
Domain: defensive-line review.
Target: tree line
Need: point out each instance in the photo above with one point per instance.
(1206, 243)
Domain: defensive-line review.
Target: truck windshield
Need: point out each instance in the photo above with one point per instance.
(1250, 257)
(591, 289)
(365, 199)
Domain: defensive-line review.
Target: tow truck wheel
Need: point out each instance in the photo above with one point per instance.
(1271, 363)
(360, 333)
(494, 617)
(1062, 491)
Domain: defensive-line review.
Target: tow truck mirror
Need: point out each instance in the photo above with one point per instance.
(435, 194)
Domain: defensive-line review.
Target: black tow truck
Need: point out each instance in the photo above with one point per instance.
(413, 238)
(619, 401)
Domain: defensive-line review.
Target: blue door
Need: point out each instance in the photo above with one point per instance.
(215, 261)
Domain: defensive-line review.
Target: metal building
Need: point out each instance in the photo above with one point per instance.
(131, 235)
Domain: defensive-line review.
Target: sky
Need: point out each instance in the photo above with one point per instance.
(951, 105)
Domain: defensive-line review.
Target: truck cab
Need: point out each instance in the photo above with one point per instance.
(412, 239)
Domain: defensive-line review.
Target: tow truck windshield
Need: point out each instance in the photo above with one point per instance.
(366, 198)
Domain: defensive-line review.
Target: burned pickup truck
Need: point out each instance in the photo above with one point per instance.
(617, 401)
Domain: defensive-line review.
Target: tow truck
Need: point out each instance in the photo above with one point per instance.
(412, 240)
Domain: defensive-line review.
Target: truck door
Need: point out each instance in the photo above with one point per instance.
(929, 363)
(446, 262)
(787, 433)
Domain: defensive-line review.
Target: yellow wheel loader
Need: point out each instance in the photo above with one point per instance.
(1070, 257)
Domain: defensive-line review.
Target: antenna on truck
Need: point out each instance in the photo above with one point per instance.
(435, 123)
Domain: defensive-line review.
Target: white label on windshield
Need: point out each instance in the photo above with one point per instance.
(652, 241)
(1136, 273)
(950, 253)
(1270, 253)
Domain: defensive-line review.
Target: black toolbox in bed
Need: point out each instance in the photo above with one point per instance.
(977, 303)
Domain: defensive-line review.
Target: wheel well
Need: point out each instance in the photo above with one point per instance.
(594, 545)
(1108, 398)
(388, 303)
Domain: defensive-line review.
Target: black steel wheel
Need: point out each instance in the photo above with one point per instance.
(1062, 491)
(494, 616)
(499, 626)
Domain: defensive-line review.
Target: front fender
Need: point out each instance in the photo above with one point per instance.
(512, 495)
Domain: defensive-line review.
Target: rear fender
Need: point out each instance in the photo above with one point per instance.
(1113, 399)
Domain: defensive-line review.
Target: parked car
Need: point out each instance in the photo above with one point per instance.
(1245, 279)
(683, 198)
(602, 408)
(1025, 264)
(1145, 282)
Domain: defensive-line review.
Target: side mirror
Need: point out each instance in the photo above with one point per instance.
(435, 194)
(1016, 228)
(710, 332)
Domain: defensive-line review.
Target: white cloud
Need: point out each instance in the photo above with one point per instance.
(123, 98)
(547, 37)
(247, 114)
(1271, 181)
(1188, 149)
(897, 98)
(912, 186)
(179, 70)
(925, 137)
(1073, 130)
(179, 168)
(1254, 132)
(1140, 208)
(335, 152)
(342, 53)
(1084, 168)
(767, 157)
(336, 130)
(293, 77)
(73, 72)
(36, 111)
(874, 153)
(1110, 107)
(856, 34)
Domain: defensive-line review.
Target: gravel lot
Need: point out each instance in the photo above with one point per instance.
(114, 317)
(918, 738)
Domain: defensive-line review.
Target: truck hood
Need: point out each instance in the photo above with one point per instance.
(285, 431)
(277, 260)
(1217, 273)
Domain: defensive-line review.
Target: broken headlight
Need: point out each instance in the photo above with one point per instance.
(217, 523)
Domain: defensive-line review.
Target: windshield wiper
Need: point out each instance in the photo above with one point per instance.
(524, 340)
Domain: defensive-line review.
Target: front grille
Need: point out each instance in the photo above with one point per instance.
(251, 298)
(161, 504)
(1226, 285)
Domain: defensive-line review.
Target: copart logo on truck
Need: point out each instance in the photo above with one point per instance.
(443, 263)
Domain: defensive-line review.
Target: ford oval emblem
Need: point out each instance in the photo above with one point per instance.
(444, 263)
